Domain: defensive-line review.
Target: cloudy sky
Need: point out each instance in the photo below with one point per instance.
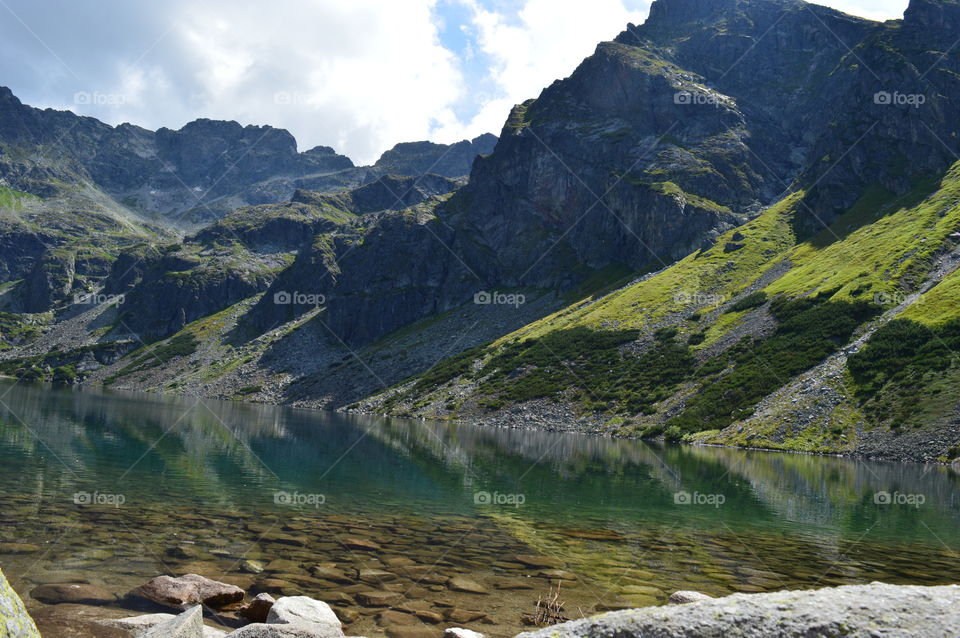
(358, 75)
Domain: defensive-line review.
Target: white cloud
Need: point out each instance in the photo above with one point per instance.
(358, 75)
(543, 41)
(872, 9)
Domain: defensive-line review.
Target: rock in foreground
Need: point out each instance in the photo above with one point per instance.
(187, 590)
(854, 611)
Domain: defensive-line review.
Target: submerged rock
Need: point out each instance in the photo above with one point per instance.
(189, 589)
(57, 593)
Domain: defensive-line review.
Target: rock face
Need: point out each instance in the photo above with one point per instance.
(859, 611)
(15, 622)
(417, 158)
(189, 589)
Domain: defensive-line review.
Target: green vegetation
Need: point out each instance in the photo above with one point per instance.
(749, 302)
(182, 344)
(11, 199)
(808, 331)
(907, 371)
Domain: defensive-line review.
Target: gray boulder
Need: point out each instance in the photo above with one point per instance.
(289, 630)
(189, 624)
(15, 622)
(304, 610)
(860, 611)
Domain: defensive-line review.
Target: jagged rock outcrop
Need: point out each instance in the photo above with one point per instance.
(450, 160)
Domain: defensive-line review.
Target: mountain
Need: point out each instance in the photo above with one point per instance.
(830, 322)
(736, 223)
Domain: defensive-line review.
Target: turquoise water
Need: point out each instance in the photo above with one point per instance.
(117, 488)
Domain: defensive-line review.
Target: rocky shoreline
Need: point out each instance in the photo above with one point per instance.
(851, 611)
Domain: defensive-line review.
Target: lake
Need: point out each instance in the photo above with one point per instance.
(116, 488)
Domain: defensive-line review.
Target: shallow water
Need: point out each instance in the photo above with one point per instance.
(115, 489)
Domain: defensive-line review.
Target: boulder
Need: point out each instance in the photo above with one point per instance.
(187, 590)
(17, 623)
(296, 610)
(139, 625)
(80, 594)
(854, 611)
(459, 583)
(289, 630)
(458, 632)
(378, 598)
(189, 624)
(257, 609)
(684, 597)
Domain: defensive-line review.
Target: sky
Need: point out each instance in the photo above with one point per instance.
(357, 75)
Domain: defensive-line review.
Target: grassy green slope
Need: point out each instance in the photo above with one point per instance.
(696, 347)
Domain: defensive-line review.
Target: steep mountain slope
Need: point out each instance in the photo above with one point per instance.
(827, 324)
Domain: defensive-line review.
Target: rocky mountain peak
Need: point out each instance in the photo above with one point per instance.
(937, 15)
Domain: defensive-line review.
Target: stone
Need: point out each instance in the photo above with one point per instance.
(17, 623)
(540, 562)
(188, 624)
(378, 598)
(855, 611)
(391, 617)
(421, 631)
(18, 548)
(460, 583)
(376, 576)
(251, 567)
(282, 565)
(557, 574)
(189, 589)
(459, 632)
(510, 583)
(268, 630)
(275, 586)
(346, 615)
(330, 573)
(684, 597)
(398, 561)
(362, 544)
(257, 609)
(295, 610)
(463, 615)
(54, 594)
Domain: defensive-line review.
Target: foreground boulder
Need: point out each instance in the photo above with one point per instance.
(187, 590)
(860, 611)
(257, 609)
(14, 620)
(189, 624)
(305, 610)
